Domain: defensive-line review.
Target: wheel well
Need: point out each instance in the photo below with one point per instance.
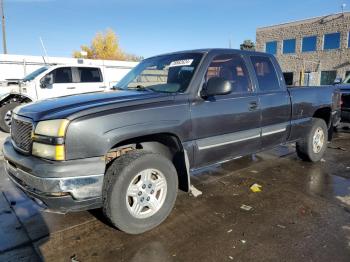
(15, 98)
(167, 145)
(325, 114)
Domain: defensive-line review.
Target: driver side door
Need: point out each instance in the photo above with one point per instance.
(226, 126)
(61, 84)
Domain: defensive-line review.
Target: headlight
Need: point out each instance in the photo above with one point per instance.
(49, 139)
(53, 152)
(53, 128)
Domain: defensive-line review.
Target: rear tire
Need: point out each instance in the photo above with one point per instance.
(6, 114)
(312, 147)
(139, 191)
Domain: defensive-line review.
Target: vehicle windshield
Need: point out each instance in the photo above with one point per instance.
(168, 73)
(34, 74)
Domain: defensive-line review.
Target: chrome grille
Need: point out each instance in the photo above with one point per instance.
(21, 134)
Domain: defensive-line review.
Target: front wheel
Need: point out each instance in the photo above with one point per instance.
(6, 115)
(313, 146)
(139, 191)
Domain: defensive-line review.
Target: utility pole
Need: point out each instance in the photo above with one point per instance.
(3, 26)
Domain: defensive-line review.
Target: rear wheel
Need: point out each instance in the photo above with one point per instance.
(6, 115)
(139, 191)
(314, 144)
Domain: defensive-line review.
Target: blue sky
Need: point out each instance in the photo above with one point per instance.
(148, 27)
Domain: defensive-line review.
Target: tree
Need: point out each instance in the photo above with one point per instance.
(105, 46)
(248, 45)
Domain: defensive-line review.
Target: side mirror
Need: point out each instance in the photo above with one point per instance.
(337, 81)
(46, 81)
(216, 86)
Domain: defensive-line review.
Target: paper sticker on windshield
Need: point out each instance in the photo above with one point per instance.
(185, 62)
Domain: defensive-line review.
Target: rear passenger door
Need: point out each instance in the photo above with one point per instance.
(226, 126)
(88, 79)
(274, 101)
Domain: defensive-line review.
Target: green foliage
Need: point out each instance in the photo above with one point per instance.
(248, 45)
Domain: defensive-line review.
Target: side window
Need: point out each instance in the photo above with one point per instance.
(232, 68)
(62, 75)
(89, 75)
(265, 73)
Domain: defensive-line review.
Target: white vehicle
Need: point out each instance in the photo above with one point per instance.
(49, 82)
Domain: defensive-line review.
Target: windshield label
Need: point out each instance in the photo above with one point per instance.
(185, 62)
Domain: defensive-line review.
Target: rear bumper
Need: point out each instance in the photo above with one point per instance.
(60, 186)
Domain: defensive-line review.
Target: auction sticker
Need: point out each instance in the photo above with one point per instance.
(184, 62)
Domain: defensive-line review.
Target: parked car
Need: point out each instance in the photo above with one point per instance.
(129, 151)
(344, 87)
(48, 82)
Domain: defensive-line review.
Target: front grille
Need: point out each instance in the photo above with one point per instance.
(21, 134)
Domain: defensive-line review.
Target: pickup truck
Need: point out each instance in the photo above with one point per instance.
(130, 150)
(48, 82)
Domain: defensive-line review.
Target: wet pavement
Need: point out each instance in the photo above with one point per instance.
(302, 214)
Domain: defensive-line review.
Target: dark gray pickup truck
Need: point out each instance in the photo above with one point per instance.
(130, 150)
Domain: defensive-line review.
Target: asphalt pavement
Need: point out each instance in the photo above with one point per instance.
(301, 214)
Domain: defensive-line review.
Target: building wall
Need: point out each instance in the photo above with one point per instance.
(316, 61)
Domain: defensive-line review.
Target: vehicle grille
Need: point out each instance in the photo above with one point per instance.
(21, 134)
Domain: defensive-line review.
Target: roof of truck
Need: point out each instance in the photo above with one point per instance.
(216, 50)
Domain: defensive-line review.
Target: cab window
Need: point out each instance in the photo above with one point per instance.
(265, 73)
(89, 75)
(62, 75)
(232, 68)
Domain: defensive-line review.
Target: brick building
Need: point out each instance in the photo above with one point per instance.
(312, 51)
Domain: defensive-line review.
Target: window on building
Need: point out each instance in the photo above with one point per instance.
(331, 41)
(266, 73)
(309, 44)
(271, 47)
(288, 77)
(289, 46)
(328, 77)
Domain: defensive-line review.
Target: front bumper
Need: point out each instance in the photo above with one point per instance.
(60, 186)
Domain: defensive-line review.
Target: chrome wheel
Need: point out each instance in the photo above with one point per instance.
(7, 118)
(318, 140)
(146, 193)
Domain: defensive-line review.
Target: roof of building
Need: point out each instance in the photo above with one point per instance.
(307, 20)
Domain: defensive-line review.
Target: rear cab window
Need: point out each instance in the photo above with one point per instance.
(89, 75)
(265, 73)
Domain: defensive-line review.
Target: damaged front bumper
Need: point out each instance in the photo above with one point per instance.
(65, 186)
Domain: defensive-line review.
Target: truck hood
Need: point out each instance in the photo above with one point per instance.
(71, 107)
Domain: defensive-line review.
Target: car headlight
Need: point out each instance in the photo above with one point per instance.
(53, 128)
(48, 139)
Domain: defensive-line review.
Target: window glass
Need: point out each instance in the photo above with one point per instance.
(89, 75)
(167, 73)
(62, 75)
(232, 68)
(328, 77)
(271, 47)
(265, 73)
(289, 46)
(288, 77)
(331, 41)
(309, 44)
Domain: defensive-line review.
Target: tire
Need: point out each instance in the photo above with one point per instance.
(122, 175)
(5, 117)
(305, 148)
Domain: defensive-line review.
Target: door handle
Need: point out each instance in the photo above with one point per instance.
(253, 106)
(71, 87)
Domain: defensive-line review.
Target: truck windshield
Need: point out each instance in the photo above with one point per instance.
(34, 74)
(167, 73)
